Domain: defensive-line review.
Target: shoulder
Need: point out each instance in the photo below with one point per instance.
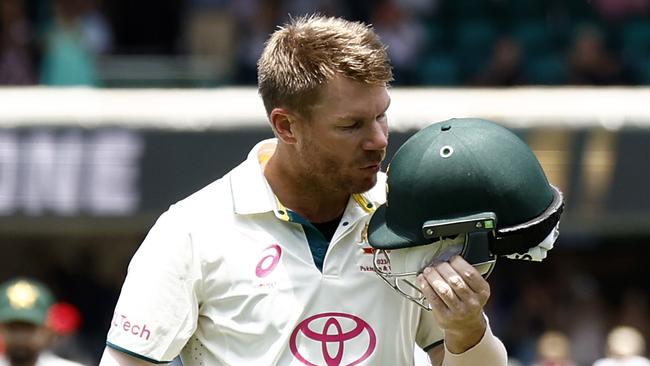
(175, 227)
(212, 200)
(206, 196)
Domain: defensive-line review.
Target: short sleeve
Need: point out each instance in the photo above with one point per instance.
(157, 310)
(428, 333)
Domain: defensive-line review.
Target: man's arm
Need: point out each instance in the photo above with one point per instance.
(457, 294)
(489, 351)
(437, 354)
(113, 357)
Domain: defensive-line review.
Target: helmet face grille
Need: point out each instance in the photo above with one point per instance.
(399, 268)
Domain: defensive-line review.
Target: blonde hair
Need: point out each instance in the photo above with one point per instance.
(302, 56)
(625, 341)
(554, 345)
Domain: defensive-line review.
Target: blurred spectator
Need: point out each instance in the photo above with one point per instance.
(625, 347)
(256, 19)
(617, 10)
(24, 307)
(96, 33)
(590, 62)
(505, 65)
(78, 35)
(64, 319)
(210, 37)
(583, 317)
(635, 310)
(554, 349)
(403, 34)
(16, 37)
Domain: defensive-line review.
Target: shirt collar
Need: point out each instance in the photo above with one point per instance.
(252, 194)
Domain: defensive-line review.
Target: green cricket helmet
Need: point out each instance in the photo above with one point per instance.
(24, 300)
(464, 186)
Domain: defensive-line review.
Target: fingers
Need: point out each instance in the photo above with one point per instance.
(457, 294)
(456, 285)
(437, 304)
(471, 277)
(437, 290)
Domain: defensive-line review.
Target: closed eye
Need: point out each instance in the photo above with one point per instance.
(352, 126)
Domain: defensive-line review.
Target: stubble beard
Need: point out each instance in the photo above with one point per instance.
(324, 174)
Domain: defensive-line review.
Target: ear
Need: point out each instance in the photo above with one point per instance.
(283, 124)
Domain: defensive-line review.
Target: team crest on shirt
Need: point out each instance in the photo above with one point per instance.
(363, 238)
(366, 260)
(269, 259)
(333, 339)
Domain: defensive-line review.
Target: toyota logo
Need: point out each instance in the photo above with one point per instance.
(342, 338)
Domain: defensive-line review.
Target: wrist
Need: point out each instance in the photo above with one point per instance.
(461, 339)
(488, 351)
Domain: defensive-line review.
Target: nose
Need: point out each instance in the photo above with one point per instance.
(377, 138)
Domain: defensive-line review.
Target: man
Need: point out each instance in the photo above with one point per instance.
(24, 306)
(270, 265)
(625, 347)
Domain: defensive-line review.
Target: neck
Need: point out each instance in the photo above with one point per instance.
(311, 201)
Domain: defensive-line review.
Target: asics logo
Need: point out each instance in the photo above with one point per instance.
(270, 258)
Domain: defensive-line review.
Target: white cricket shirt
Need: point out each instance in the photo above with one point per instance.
(226, 277)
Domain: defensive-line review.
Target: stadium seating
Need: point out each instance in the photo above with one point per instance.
(546, 70)
(439, 70)
(473, 42)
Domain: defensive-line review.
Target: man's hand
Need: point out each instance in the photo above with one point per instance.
(457, 293)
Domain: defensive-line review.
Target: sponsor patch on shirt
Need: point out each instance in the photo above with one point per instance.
(122, 323)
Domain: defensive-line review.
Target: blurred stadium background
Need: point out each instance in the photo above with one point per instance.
(112, 110)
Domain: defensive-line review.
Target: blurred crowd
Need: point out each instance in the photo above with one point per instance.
(52, 42)
(562, 312)
(431, 42)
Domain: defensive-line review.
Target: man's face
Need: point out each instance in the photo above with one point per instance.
(343, 144)
(24, 341)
